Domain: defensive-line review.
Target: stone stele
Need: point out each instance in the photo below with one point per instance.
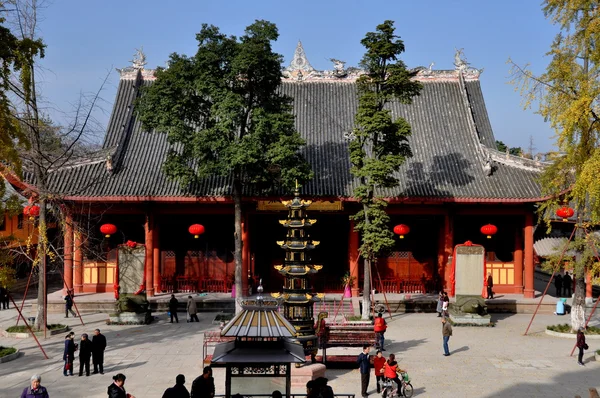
(470, 307)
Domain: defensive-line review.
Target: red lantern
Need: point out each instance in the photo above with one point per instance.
(401, 229)
(489, 230)
(565, 212)
(196, 230)
(108, 230)
(31, 211)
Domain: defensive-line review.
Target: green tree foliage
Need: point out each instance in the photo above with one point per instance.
(380, 145)
(568, 95)
(502, 147)
(224, 115)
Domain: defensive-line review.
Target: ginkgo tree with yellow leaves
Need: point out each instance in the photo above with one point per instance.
(568, 97)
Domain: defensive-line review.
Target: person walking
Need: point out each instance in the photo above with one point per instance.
(4, 299)
(490, 285)
(69, 305)
(440, 303)
(445, 304)
(581, 345)
(446, 333)
(365, 370)
(192, 310)
(35, 390)
(117, 388)
(173, 304)
(380, 327)
(567, 285)
(178, 390)
(69, 355)
(98, 347)
(378, 364)
(85, 354)
(204, 385)
(558, 282)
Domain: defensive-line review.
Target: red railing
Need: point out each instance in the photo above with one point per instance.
(402, 286)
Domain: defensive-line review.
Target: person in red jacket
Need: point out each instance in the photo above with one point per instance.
(378, 363)
(380, 327)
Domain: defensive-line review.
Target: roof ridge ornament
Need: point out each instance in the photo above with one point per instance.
(300, 61)
(139, 58)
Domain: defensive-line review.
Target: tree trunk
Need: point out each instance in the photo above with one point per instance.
(366, 301)
(40, 319)
(578, 306)
(237, 255)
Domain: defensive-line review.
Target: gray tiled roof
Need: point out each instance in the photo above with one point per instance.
(451, 134)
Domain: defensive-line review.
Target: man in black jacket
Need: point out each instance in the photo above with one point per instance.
(204, 386)
(85, 353)
(173, 304)
(567, 285)
(98, 347)
(178, 390)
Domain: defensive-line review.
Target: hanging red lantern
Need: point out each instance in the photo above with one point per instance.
(31, 211)
(196, 230)
(401, 229)
(489, 230)
(565, 212)
(108, 230)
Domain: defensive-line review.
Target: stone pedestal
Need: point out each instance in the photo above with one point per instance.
(469, 309)
(303, 374)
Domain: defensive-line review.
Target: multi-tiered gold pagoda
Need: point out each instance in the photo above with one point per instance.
(298, 297)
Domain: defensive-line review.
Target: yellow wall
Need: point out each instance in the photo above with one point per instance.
(11, 227)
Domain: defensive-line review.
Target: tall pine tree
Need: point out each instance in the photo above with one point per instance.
(380, 144)
(223, 112)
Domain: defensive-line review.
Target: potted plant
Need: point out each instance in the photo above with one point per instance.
(348, 282)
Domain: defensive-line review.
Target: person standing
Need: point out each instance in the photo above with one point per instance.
(98, 347)
(117, 388)
(364, 365)
(490, 285)
(445, 304)
(173, 304)
(69, 355)
(192, 310)
(85, 353)
(446, 334)
(69, 305)
(581, 345)
(36, 390)
(380, 327)
(567, 285)
(204, 385)
(178, 390)
(378, 364)
(440, 302)
(558, 282)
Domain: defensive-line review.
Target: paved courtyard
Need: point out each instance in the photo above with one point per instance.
(485, 362)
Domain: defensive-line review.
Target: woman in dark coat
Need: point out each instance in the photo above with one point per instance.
(117, 388)
(69, 355)
(581, 345)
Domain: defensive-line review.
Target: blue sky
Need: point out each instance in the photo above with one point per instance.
(88, 39)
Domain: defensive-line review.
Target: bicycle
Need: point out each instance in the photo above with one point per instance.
(390, 390)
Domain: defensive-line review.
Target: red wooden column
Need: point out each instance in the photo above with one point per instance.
(353, 255)
(245, 256)
(156, 258)
(518, 258)
(78, 260)
(68, 251)
(588, 286)
(149, 263)
(529, 291)
(448, 249)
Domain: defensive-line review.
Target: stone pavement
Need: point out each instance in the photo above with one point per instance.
(485, 362)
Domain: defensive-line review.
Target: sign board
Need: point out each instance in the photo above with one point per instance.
(318, 205)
